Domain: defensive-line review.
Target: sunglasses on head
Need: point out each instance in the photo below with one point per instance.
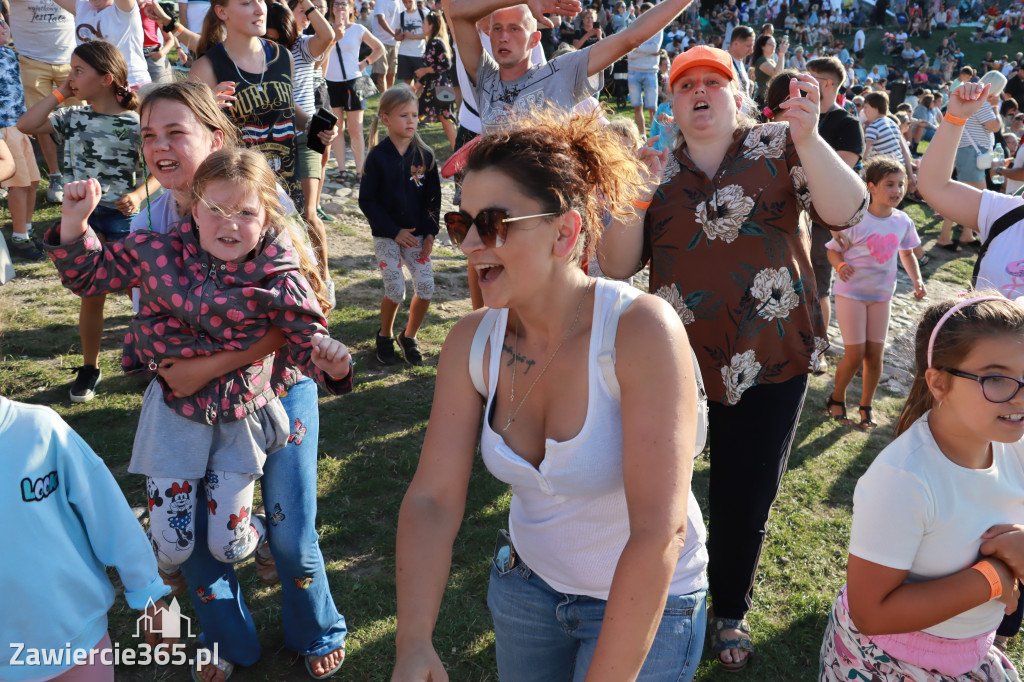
(491, 225)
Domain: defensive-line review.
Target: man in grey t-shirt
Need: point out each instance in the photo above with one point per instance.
(506, 83)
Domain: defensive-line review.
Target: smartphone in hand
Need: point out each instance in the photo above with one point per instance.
(323, 120)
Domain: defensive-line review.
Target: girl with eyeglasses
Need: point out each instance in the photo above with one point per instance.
(224, 278)
(934, 558)
(590, 398)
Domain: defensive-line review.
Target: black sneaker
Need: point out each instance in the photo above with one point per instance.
(410, 349)
(84, 388)
(386, 350)
(26, 250)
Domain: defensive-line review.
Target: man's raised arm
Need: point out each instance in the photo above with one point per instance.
(611, 49)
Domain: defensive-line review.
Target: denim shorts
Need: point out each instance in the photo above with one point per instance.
(645, 84)
(110, 223)
(966, 164)
(542, 635)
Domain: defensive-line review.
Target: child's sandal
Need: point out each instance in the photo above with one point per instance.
(176, 581)
(841, 418)
(866, 421)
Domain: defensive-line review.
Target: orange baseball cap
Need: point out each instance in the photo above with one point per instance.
(701, 55)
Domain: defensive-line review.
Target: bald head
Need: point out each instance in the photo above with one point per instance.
(519, 14)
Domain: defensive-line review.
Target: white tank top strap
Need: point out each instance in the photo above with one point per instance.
(476, 351)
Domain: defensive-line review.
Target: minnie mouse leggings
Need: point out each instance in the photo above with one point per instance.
(233, 532)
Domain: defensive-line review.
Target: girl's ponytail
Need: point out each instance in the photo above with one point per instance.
(126, 97)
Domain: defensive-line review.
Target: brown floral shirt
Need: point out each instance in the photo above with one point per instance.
(732, 256)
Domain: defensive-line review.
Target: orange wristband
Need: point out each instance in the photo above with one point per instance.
(840, 266)
(995, 586)
(60, 97)
(642, 204)
(955, 120)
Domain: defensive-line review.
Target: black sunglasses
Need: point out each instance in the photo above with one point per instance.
(995, 387)
(491, 225)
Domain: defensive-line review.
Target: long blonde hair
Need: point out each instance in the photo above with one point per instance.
(250, 170)
(389, 101)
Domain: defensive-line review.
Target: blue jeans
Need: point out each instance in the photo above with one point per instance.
(542, 635)
(311, 622)
(643, 89)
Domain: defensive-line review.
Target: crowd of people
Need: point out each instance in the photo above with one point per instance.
(746, 180)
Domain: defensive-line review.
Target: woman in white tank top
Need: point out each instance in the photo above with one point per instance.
(604, 569)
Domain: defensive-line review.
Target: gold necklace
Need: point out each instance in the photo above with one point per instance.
(515, 355)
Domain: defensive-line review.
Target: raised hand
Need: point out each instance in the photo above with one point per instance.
(565, 8)
(80, 199)
(654, 161)
(967, 99)
(801, 109)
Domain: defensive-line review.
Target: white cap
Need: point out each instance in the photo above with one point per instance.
(996, 79)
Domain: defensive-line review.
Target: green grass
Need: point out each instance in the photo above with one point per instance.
(369, 447)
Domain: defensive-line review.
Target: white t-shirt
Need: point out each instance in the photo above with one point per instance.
(915, 510)
(349, 48)
(389, 9)
(1003, 265)
(123, 29)
(561, 83)
(874, 244)
(859, 38)
(411, 21)
(43, 31)
(469, 114)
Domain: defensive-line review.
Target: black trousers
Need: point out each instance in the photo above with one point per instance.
(750, 445)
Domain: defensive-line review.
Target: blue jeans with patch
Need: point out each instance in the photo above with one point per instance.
(311, 622)
(542, 635)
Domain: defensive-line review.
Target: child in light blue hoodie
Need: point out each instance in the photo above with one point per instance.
(65, 520)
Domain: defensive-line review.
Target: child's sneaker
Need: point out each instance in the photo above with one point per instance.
(410, 349)
(26, 250)
(84, 388)
(386, 350)
(55, 193)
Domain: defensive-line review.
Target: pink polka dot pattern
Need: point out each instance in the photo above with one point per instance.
(191, 305)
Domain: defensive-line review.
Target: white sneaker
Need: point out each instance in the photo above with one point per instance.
(55, 193)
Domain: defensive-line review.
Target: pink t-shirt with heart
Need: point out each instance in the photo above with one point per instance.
(874, 245)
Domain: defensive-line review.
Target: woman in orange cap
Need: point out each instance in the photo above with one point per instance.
(724, 225)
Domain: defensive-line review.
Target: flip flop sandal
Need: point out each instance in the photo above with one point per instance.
(839, 418)
(720, 644)
(866, 422)
(952, 246)
(225, 666)
(329, 673)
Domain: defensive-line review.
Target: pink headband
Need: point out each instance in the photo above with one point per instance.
(949, 313)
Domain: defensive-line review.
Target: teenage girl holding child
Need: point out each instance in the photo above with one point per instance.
(864, 259)
(400, 195)
(222, 280)
(935, 554)
(101, 140)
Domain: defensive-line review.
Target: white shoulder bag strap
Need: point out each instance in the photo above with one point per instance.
(476, 351)
(606, 358)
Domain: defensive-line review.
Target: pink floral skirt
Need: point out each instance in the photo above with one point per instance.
(847, 655)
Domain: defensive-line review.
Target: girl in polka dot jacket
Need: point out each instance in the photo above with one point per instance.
(224, 280)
